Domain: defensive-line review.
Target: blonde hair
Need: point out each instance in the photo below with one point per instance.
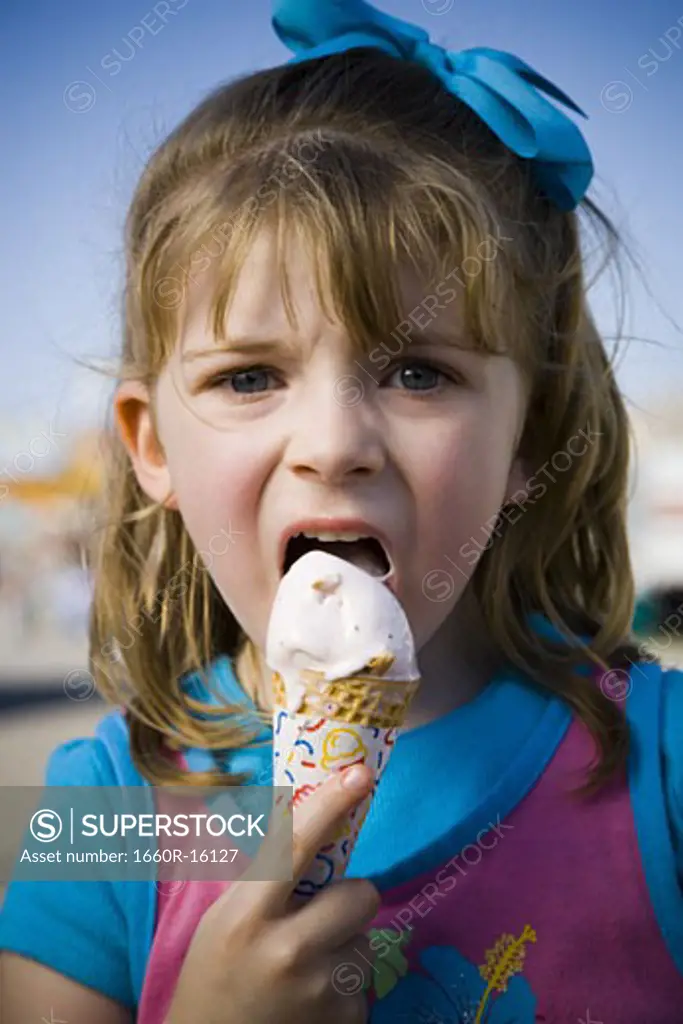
(376, 166)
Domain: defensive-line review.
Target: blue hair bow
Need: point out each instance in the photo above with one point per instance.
(500, 88)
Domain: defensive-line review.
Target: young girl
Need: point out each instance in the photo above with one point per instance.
(356, 319)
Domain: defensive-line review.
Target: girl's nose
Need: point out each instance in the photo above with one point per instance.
(334, 439)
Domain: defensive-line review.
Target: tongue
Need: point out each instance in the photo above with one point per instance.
(360, 553)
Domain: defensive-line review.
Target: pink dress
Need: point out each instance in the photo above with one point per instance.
(547, 918)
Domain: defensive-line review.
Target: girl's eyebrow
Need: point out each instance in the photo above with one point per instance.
(453, 341)
(244, 344)
(429, 338)
(254, 346)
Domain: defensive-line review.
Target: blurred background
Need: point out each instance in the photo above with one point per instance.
(90, 89)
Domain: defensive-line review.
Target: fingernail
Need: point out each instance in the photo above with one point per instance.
(355, 778)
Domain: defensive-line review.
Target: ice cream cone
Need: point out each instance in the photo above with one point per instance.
(325, 721)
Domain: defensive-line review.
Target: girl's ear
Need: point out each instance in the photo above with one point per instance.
(134, 415)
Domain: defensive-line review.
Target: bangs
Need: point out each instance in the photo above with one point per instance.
(368, 217)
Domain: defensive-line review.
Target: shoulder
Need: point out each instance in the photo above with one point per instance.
(672, 684)
(672, 733)
(100, 760)
(654, 707)
(655, 711)
(658, 800)
(83, 929)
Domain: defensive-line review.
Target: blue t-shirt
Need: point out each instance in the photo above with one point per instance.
(100, 933)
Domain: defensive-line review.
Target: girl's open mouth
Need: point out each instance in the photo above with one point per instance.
(366, 553)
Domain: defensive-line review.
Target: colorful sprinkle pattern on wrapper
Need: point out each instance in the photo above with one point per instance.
(305, 752)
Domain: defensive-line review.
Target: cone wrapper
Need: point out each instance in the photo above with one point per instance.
(308, 748)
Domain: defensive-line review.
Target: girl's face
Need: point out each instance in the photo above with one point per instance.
(417, 440)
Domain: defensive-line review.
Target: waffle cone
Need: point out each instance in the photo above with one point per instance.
(364, 699)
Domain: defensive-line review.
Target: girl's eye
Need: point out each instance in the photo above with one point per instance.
(419, 375)
(250, 381)
(415, 375)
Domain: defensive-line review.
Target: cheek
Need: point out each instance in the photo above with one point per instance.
(209, 467)
(216, 481)
(218, 478)
(462, 485)
(218, 499)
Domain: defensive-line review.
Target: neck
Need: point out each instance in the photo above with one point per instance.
(455, 664)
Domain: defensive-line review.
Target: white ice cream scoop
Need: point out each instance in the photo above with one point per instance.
(334, 618)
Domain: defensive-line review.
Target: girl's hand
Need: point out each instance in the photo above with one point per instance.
(261, 956)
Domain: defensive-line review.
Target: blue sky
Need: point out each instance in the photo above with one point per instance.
(81, 122)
